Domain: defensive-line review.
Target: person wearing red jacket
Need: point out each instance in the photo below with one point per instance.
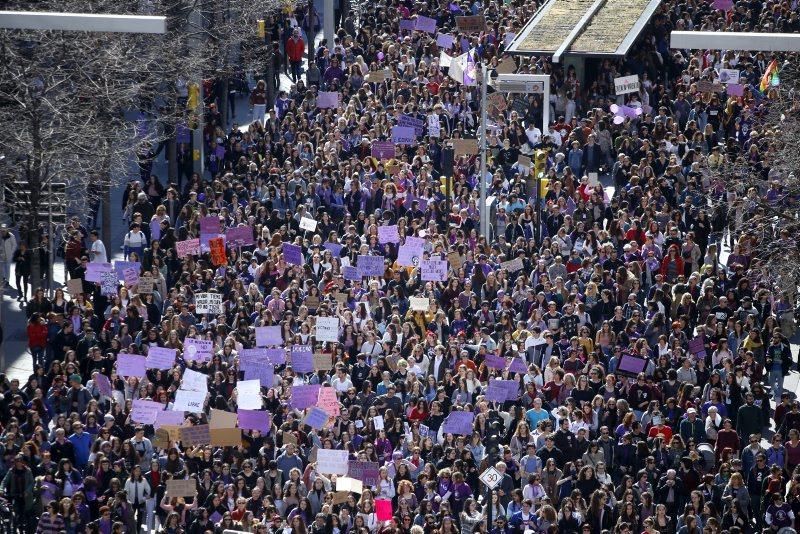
(37, 339)
(295, 48)
(672, 265)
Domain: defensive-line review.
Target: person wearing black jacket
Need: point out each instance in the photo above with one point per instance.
(564, 439)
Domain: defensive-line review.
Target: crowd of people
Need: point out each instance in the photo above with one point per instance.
(637, 367)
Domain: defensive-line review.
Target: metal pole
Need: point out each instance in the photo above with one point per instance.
(484, 210)
(490, 506)
(329, 21)
(537, 230)
(50, 231)
(198, 145)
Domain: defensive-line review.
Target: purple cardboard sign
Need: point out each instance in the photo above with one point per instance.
(517, 365)
(131, 365)
(459, 423)
(302, 358)
(425, 24)
(160, 358)
(94, 271)
(388, 234)
(264, 373)
(254, 420)
(383, 150)
(403, 135)
(239, 236)
(367, 472)
(103, 384)
(350, 272)
(406, 25)
(304, 396)
(168, 418)
(335, 248)
(268, 335)
(293, 254)
(209, 225)
(495, 392)
(493, 361)
(253, 357)
(735, 89)
(722, 5)
(276, 356)
(145, 412)
(445, 40)
(121, 266)
(316, 418)
(328, 99)
(370, 266)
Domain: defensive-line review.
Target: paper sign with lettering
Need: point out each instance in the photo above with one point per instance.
(445, 40)
(328, 401)
(327, 99)
(194, 381)
(382, 150)
(370, 265)
(350, 272)
(406, 25)
(376, 76)
(189, 401)
(216, 246)
(513, 266)
(409, 255)
(434, 127)
(304, 396)
(249, 394)
(94, 271)
(367, 472)
(108, 283)
(181, 488)
(240, 236)
(626, 84)
(425, 24)
(459, 423)
(403, 135)
(420, 303)
(433, 270)
(198, 350)
(704, 86)
(332, 461)
(131, 277)
(350, 485)
(388, 234)
(412, 122)
(293, 254)
(308, 224)
(276, 356)
(471, 24)
(131, 365)
(255, 420)
(145, 412)
(502, 390)
(169, 418)
(729, 75)
(268, 335)
(195, 435)
(145, 284)
(327, 329)
(160, 358)
(208, 303)
(253, 356)
(103, 384)
(303, 358)
(189, 247)
(316, 418)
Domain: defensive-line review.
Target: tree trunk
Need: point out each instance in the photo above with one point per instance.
(172, 158)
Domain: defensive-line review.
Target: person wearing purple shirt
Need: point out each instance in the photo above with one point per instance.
(461, 492)
(333, 72)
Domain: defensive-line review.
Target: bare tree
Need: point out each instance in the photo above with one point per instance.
(761, 195)
(64, 95)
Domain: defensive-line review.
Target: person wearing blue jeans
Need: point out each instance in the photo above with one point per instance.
(778, 362)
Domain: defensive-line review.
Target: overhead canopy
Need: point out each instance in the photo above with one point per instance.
(610, 31)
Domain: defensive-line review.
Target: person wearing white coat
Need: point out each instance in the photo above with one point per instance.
(138, 491)
(8, 245)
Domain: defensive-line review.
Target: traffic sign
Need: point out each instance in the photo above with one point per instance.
(491, 477)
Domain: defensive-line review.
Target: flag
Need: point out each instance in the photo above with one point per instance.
(471, 72)
(770, 77)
